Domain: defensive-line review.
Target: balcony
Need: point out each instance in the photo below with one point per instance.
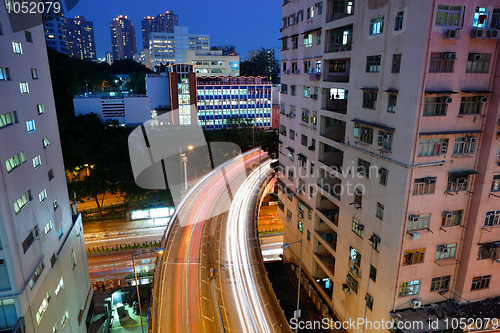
(332, 129)
(329, 210)
(325, 258)
(331, 156)
(327, 234)
(329, 183)
(339, 9)
(339, 40)
(335, 100)
(322, 278)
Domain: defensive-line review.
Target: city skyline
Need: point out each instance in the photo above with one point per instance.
(196, 15)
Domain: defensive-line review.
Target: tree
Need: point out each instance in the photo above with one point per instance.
(227, 50)
(265, 64)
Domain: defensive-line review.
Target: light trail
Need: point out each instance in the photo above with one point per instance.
(245, 290)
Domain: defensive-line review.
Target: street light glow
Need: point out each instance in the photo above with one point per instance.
(190, 147)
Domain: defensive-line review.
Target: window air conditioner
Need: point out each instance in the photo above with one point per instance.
(452, 34)
(361, 227)
(368, 298)
(484, 99)
(472, 139)
(416, 304)
(474, 56)
(442, 248)
(494, 34)
(449, 55)
(447, 214)
(358, 192)
(413, 218)
(448, 100)
(311, 147)
(478, 33)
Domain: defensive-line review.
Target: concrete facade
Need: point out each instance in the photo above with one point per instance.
(167, 48)
(128, 110)
(44, 278)
(212, 63)
(393, 99)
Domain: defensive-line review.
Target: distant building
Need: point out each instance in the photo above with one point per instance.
(144, 58)
(122, 38)
(252, 54)
(211, 101)
(44, 278)
(109, 57)
(160, 23)
(166, 48)
(129, 110)
(212, 63)
(55, 37)
(80, 40)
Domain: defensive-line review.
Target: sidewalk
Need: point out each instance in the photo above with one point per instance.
(285, 285)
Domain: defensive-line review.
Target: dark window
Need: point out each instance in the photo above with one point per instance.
(480, 282)
(364, 168)
(398, 22)
(436, 106)
(369, 100)
(391, 106)
(373, 273)
(396, 63)
(440, 283)
(478, 63)
(337, 66)
(471, 105)
(28, 241)
(442, 62)
(424, 185)
(28, 36)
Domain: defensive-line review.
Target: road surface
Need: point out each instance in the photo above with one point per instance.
(187, 299)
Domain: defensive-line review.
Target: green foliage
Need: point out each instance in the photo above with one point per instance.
(227, 50)
(263, 64)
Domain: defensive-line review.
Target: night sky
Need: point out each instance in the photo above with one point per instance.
(248, 25)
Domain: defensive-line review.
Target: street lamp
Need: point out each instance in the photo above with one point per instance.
(183, 158)
(285, 246)
(158, 250)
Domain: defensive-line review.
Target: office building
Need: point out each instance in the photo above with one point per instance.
(167, 48)
(160, 23)
(44, 278)
(389, 152)
(212, 63)
(80, 42)
(210, 101)
(122, 38)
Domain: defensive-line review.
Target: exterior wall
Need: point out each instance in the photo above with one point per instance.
(218, 101)
(337, 124)
(212, 63)
(131, 110)
(167, 48)
(60, 240)
(158, 90)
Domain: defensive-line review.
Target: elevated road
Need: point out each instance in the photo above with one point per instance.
(214, 229)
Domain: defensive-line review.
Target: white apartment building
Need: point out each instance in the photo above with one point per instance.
(44, 279)
(389, 152)
(168, 47)
(212, 63)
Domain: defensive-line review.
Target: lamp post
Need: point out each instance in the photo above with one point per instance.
(183, 158)
(284, 246)
(158, 250)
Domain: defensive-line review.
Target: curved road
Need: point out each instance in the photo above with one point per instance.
(186, 298)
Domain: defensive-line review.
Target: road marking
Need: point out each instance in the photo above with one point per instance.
(212, 320)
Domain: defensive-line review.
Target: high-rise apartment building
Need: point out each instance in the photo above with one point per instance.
(80, 38)
(160, 23)
(167, 48)
(44, 278)
(122, 38)
(389, 151)
(212, 63)
(55, 36)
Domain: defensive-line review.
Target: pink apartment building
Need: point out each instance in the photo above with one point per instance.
(389, 140)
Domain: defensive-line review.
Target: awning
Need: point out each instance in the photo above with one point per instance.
(440, 92)
(290, 149)
(463, 173)
(369, 89)
(473, 91)
(394, 91)
(384, 127)
(492, 244)
(284, 37)
(308, 31)
(301, 156)
(280, 142)
(451, 132)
